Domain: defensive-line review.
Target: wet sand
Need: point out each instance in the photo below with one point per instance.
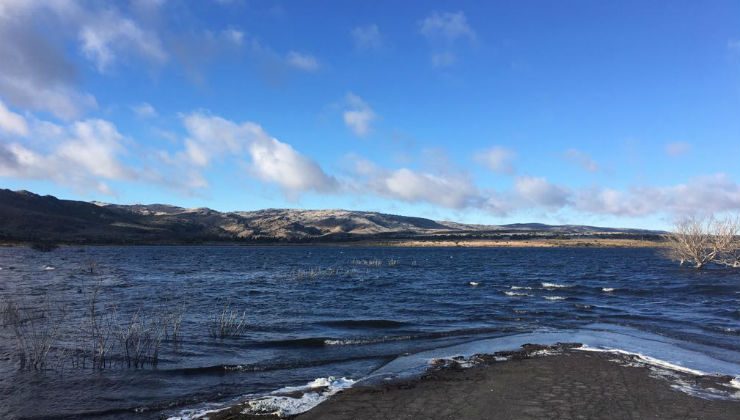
(572, 385)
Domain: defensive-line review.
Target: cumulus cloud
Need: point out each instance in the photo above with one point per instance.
(300, 61)
(211, 137)
(12, 123)
(367, 37)
(540, 192)
(454, 191)
(85, 155)
(358, 116)
(37, 74)
(705, 194)
(677, 148)
(498, 159)
(582, 159)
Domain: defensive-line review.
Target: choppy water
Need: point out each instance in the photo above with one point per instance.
(330, 311)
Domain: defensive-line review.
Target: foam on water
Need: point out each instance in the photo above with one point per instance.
(547, 285)
(607, 289)
(554, 298)
(282, 403)
(508, 293)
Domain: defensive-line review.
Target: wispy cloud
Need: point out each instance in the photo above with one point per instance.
(144, 110)
(443, 30)
(582, 159)
(677, 148)
(358, 116)
(301, 61)
(367, 37)
(498, 159)
(446, 26)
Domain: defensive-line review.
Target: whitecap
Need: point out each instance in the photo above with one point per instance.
(519, 294)
(49, 268)
(554, 297)
(314, 393)
(607, 289)
(474, 283)
(547, 285)
(521, 288)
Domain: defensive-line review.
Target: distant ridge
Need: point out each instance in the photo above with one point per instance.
(29, 217)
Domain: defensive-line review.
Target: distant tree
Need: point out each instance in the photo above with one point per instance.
(702, 241)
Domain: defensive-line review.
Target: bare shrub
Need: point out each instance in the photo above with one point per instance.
(313, 273)
(392, 262)
(36, 331)
(101, 327)
(228, 323)
(140, 339)
(701, 241)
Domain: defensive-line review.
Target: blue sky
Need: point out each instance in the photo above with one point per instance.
(611, 113)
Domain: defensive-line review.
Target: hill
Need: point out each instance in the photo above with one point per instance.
(29, 217)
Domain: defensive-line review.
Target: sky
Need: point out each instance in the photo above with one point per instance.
(581, 112)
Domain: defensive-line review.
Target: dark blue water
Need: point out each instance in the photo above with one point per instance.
(320, 311)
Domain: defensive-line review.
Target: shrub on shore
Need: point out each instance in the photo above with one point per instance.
(703, 241)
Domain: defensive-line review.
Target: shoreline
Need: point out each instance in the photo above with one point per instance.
(540, 382)
(399, 243)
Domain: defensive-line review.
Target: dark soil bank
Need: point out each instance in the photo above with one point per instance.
(574, 385)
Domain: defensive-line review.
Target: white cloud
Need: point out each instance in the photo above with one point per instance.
(84, 156)
(443, 30)
(367, 37)
(12, 123)
(705, 194)
(455, 192)
(144, 110)
(677, 148)
(300, 61)
(498, 159)
(106, 34)
(539, 191)
(447, 26)
(582, 159)
(234, 35)
(272, 161)
(358, 116)
(35, 74)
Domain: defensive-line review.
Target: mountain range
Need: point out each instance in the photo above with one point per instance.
(29, 217)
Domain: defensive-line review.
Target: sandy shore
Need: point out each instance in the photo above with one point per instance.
(572, 385)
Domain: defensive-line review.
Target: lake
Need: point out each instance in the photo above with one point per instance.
(315, 312)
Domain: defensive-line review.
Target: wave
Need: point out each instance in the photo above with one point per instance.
(363, 323)
(608, 289)
(519, 294)
(521, 288)
(547, 285)
(555, 298)
(284, 402)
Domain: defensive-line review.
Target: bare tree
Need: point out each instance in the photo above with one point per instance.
(701, 241)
